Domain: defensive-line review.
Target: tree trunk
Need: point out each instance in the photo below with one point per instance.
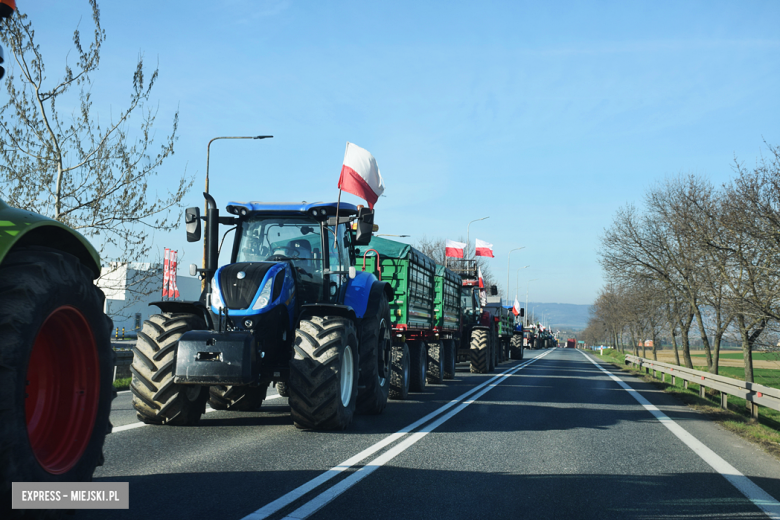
(655, 351)
(674, 346)
(705, 341)
(747, 356)
(685, 329)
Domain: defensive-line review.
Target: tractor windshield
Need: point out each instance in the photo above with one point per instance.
(294, 239)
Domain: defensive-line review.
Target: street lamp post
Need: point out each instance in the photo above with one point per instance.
(526, 299)
(208, 157)
(509, 257)
(467, 231)
(517, 277)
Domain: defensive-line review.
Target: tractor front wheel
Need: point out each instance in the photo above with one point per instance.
(479, 351)
(156, 398)
(237, 398)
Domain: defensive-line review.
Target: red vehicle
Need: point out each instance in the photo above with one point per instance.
(571, 343)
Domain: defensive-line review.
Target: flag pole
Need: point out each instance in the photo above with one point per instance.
(336, 227)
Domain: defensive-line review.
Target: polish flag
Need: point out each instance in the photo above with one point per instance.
(454, 249)
(484, 249)
(481, 283)
(360, 175)
(166, 272)
(173, 291)
(516, 308)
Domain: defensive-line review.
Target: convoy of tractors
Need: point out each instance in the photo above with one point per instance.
(338, 319)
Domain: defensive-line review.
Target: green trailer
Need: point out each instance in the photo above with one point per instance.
(417, 349)
(447, 312)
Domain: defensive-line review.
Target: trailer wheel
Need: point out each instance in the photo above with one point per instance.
(281, 389)
(435, 374)
(399, 378)
(156, 398)
(375, 344)
(324, 373)
(418, 366)
(56, 365)
(236, 398)
(516, 347)
(479, 349)
(449, 358)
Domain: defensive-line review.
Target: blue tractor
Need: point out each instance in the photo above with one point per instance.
(289, 309)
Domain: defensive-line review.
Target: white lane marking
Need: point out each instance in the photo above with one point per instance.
(747, 487)
(330, 494)
(123, 392)
(209, 409)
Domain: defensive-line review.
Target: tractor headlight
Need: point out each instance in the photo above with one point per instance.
(216, 299)
(264, 298)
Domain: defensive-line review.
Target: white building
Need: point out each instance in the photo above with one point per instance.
(130, 287)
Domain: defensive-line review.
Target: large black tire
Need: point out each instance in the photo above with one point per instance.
(449, 358)
(156, 398)
(479, 350)
(537, 344)
(418, 366)
(435, 375)
(376, 341)
(237, 398)
(324, 373)
(281, 389)
(491, 352)
(55, 342)
(400, 378)
(516, 347)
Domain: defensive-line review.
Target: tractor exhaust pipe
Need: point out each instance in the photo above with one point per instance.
(212, 236)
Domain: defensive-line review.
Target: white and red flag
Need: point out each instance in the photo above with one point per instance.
(166, 272)
(454, 249)
(360, 175)
(481, 283)
(484, 249)
(173, 288)
(516, 308)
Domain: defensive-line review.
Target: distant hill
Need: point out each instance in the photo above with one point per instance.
(562, 315)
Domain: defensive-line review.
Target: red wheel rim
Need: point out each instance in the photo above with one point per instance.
(63, 390)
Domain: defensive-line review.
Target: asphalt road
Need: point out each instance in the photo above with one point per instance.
(553, 436)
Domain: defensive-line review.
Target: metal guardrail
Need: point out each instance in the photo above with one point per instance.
(753, 393)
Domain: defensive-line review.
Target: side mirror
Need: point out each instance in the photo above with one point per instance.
(493, 290)
(365, 226)
(193, 269)
(522, 312)
(192, 220)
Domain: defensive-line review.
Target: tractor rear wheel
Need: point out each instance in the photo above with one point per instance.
(479, 349)
(449, 359)
(156, 398)
(56, 366)
(324, 373)
(516, 347)
(400, 378)
(435, 375)
(236, 398)
(418, 366)
(376, 342)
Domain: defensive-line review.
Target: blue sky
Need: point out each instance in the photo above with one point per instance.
(545, 116)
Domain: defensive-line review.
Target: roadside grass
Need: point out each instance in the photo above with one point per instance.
(122, 384)
(757, 356)
(765, 431)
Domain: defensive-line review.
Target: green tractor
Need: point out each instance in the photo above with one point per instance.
(56, 359)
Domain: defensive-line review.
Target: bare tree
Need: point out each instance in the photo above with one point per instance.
(92, 173)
